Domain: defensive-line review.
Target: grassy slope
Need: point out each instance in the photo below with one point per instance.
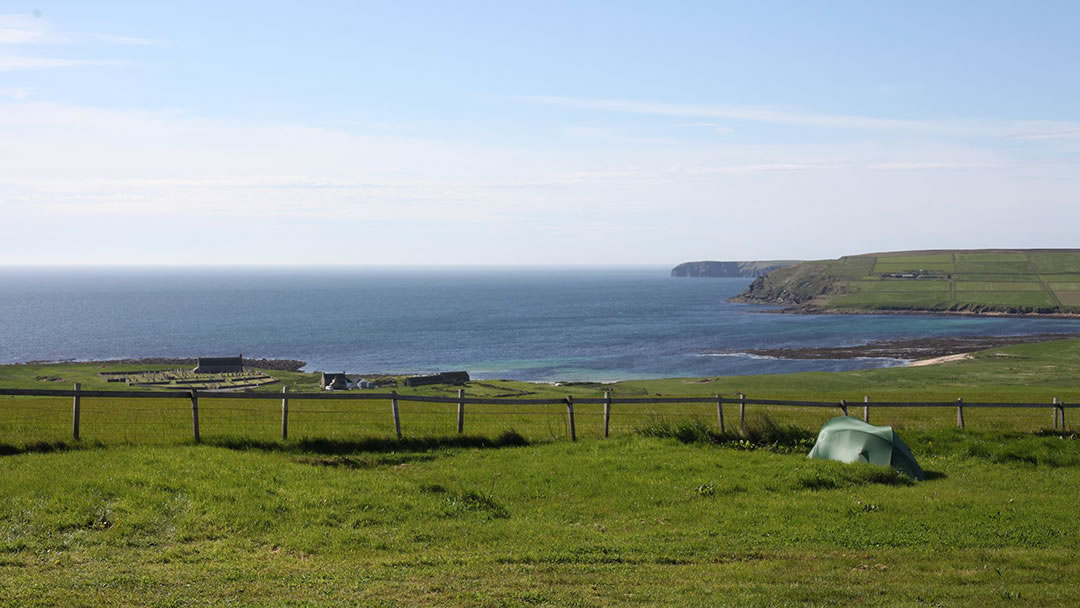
(974, 281)
(632, 520)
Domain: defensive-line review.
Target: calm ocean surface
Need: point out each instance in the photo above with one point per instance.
(530, 324)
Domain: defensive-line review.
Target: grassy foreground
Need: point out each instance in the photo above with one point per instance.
(667, 511)
(631, 521)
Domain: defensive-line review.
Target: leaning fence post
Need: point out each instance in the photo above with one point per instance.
(284, 413)
(75, 413)
(195, 414)
(843, 406)
(1061, 406)
(866, 409)
(960, 413)
(1055, 408)
(720, 413)
(570, 413)
(607, 412)
(397, 417)
(461, 410)
(742, 413)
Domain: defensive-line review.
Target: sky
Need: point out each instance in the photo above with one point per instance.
(533, 133)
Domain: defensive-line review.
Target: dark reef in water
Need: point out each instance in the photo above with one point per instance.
(909, 349)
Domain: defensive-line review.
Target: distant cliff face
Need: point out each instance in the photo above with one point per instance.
(749, 270)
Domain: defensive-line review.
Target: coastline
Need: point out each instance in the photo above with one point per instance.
(909, 350)
(939, 360)
(286, 365)
(803, 310)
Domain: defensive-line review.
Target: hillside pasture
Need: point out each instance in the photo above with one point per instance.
(994, 258)
(892, 300)
(1008, 300)
(1056, 262)
(906, 258)
(900, 286)
(1069, 298)
(883, 267)
(1020, 268)
(997, 286)
(978, 282)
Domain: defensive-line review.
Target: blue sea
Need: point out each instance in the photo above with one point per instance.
(549, 324)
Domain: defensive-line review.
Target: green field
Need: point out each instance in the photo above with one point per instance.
(667, 511)
(1025, 373)
(1010, 281)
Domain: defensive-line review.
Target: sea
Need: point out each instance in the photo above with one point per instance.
(535, 324)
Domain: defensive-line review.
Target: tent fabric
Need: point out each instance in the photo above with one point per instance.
(848, 439)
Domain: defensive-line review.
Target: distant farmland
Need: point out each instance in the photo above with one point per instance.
(980, 281)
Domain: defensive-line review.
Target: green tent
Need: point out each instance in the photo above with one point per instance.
(849, 439)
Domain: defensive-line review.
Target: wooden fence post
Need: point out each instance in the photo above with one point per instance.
(720, 413)
(195, 415)
(866, 409)
(75, 413)
(607, 412)
(843, 407)
(960, 413)
(742, 413)
(397, 417)
(284, 413)
(570, 413)
(1055, 413)
(461, 410)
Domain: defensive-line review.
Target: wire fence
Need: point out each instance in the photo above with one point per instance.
(37, 415)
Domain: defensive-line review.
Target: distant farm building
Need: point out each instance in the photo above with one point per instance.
(342, 382)
(219, 365)
(441, 378)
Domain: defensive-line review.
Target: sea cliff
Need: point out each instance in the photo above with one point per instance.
(752, 269)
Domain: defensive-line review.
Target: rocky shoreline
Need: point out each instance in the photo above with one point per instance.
(905, 349)
(810, 310)
(284, 365)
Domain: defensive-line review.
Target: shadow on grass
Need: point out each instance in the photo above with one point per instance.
(507, 439)
(45, 447)
(1040, 449)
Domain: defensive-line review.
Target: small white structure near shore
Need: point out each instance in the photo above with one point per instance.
(342, 382)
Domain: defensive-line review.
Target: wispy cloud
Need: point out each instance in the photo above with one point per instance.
(9, 63)
(22, 31)
(741, 113)
(26, 29)
(1073, 133)
(138, 172)
(1018, 129)
(920, 165)
(122, 40)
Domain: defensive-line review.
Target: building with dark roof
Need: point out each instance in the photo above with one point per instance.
(219, 365)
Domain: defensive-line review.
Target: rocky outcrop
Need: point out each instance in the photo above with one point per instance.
(729, 269)
(792, 286)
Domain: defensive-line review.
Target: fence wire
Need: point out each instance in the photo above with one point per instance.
(34, 419)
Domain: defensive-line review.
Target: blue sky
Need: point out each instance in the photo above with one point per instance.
(533, 133)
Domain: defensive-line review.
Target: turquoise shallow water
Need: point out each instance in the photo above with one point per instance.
(530, 324)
